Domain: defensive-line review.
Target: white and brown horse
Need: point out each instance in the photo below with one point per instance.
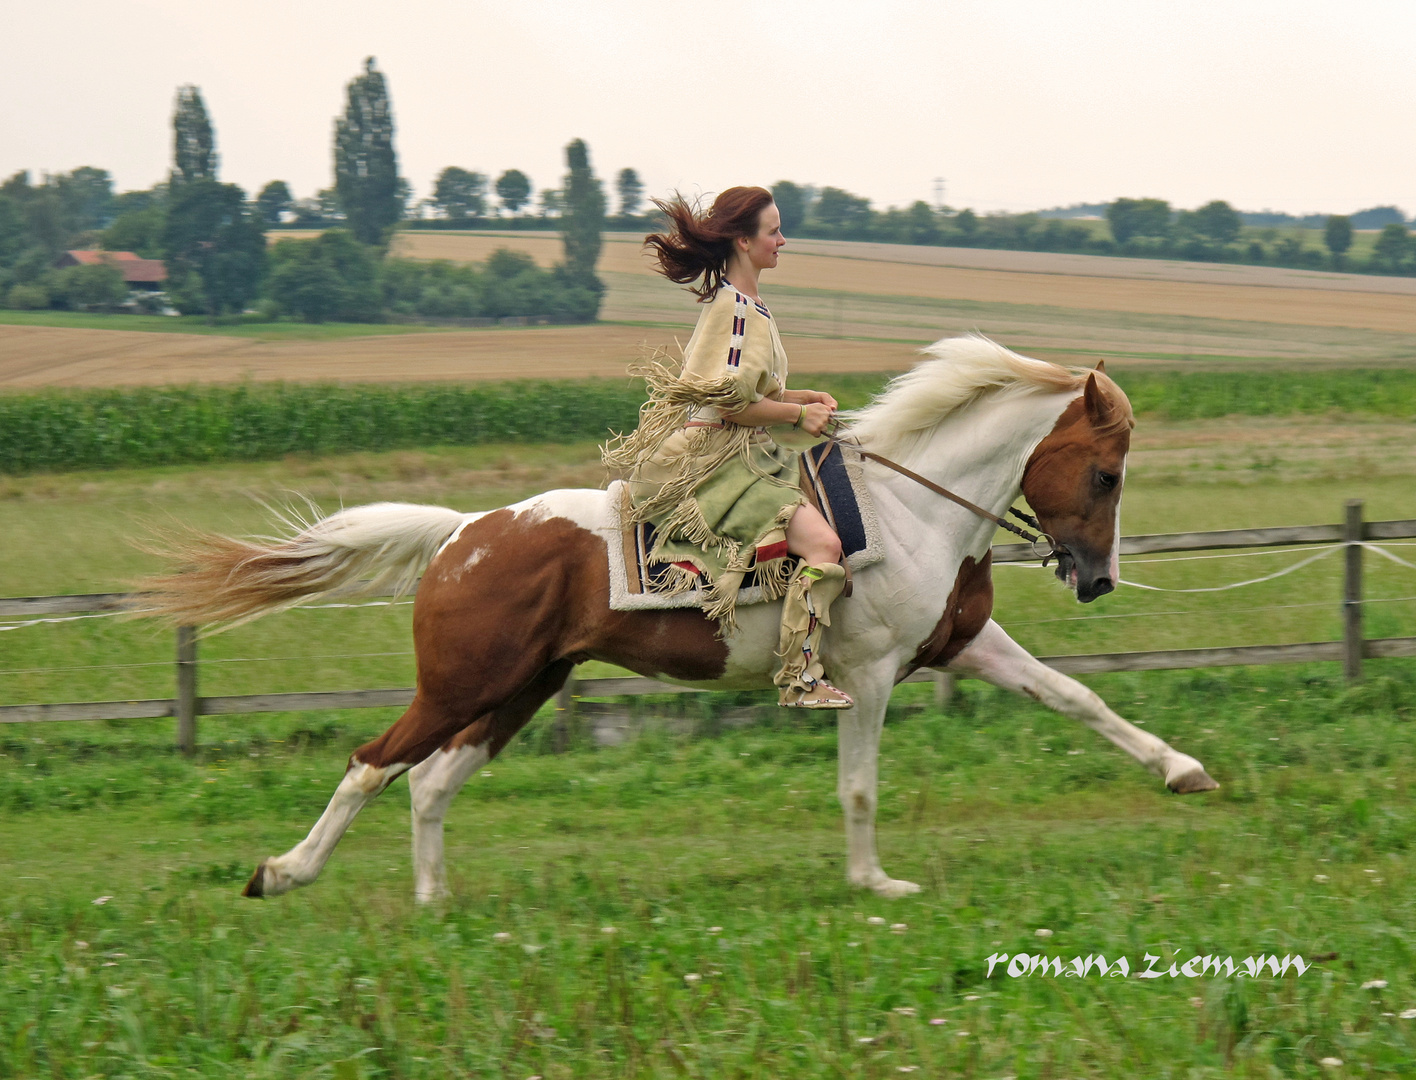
(513, 598)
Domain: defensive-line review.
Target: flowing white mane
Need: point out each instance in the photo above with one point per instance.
(958, 372)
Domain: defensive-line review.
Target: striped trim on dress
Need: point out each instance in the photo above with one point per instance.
(739, 329)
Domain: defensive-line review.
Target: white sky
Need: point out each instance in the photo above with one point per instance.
(1020, 104)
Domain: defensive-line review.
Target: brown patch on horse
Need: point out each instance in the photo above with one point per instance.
(500, 618)
(967, 612)
(1073, 478)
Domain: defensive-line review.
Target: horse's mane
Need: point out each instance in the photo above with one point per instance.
(957, 373)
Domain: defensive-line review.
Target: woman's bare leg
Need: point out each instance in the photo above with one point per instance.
(810, 536)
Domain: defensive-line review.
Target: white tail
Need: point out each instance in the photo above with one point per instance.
(220, 579)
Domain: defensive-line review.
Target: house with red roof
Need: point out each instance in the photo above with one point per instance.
(143, 274)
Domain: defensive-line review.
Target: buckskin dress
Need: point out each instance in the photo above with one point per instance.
(718, 494)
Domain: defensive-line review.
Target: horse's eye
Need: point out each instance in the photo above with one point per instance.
(1107, 480)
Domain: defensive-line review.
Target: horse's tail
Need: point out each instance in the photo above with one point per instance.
(221, 579)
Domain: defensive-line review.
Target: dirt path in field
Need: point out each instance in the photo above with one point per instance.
(32, 357)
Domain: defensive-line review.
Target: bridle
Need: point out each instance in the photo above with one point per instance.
(1055, 550)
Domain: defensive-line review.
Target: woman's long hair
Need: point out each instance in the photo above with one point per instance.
(699, 244)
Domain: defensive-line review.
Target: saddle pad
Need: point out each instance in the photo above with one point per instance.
(831, 481)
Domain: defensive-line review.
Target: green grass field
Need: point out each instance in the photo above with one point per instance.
(718, 854)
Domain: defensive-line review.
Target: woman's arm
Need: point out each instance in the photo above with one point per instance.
(812, 417)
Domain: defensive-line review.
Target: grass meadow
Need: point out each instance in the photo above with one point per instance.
(676, 906)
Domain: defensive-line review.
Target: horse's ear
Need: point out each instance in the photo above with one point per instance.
(1101, 366)
(1097, 405)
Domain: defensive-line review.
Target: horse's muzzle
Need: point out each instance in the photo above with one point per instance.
(1084, 577)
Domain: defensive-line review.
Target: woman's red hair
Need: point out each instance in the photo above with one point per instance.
(700, 244)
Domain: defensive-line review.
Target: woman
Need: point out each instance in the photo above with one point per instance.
(704, 467)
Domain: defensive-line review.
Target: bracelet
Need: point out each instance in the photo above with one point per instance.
(800, 417)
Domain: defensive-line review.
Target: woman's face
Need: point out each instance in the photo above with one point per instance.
(761, 250)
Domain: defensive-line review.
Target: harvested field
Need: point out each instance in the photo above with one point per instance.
(844, 307)
(42, 356)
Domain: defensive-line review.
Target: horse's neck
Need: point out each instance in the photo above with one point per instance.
(978, 453)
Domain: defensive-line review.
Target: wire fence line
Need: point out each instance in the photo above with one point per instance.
(1353, 537)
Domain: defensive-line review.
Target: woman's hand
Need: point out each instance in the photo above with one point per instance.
(816, 416)
(810, 397)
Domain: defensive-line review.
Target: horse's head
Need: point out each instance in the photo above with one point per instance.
(1073, 483)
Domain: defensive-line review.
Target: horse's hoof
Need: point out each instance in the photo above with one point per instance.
(255, 888)
(891, 888)
(894, 888)
(1191, 782)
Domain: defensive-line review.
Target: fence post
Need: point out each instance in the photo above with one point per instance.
(565, 715)
(943, 689)
(1352, 534)
(187, 689)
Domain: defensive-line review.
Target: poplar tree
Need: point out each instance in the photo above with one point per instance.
(365, 166)
(193, 141)
(584, 217)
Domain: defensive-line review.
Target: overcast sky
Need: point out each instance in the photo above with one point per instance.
(1018, 104)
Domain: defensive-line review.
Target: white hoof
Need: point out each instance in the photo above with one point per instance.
(881, 885)
(437, 895)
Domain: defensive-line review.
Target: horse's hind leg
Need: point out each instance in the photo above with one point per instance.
(364, 778)
(433, 784)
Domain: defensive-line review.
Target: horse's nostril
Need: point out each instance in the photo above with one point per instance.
(1102, 585)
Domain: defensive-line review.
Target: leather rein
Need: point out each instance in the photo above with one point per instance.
(1033, 538)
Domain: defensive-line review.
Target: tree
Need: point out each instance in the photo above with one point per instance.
(1130, 218)
(840, 209)
(1393, 247)
(584, 216)
(1337, 235)
(138, 231)
(552, 202)
(212, 234)
(514, 189)
(921, 226)
(87, 194)
(1378, 217)
(194, 142)
(274, 201)
(330, 277)
(1216, 221)
(92, 287)
(966, 226)
(365, 165)
(631, 192)
(460, 194)
(791, 204)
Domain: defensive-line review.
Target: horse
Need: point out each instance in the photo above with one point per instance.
(512, 599)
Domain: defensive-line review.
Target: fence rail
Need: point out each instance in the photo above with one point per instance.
(186, 706)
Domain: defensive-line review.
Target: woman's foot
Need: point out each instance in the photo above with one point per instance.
(819, 695)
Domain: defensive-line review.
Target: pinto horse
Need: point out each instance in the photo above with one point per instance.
(513, 599)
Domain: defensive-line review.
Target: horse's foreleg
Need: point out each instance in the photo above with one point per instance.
(997, 658)
(858, 747)
(433, 784)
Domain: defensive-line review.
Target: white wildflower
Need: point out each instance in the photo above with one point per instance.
(1043, 933)
(1331, 1063)
(1321, 879)
(502, 937)
(906, 1010)
(692, 977)
(1375, 984)
(1407, 1014)
(101, 901)
(875, 920)
(608, 930)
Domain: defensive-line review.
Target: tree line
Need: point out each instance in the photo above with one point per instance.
(212, 238)
(1215, 232)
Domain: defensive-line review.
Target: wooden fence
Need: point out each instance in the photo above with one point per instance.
(186, 706)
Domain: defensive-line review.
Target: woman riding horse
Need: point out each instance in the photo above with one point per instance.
(703, 467)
